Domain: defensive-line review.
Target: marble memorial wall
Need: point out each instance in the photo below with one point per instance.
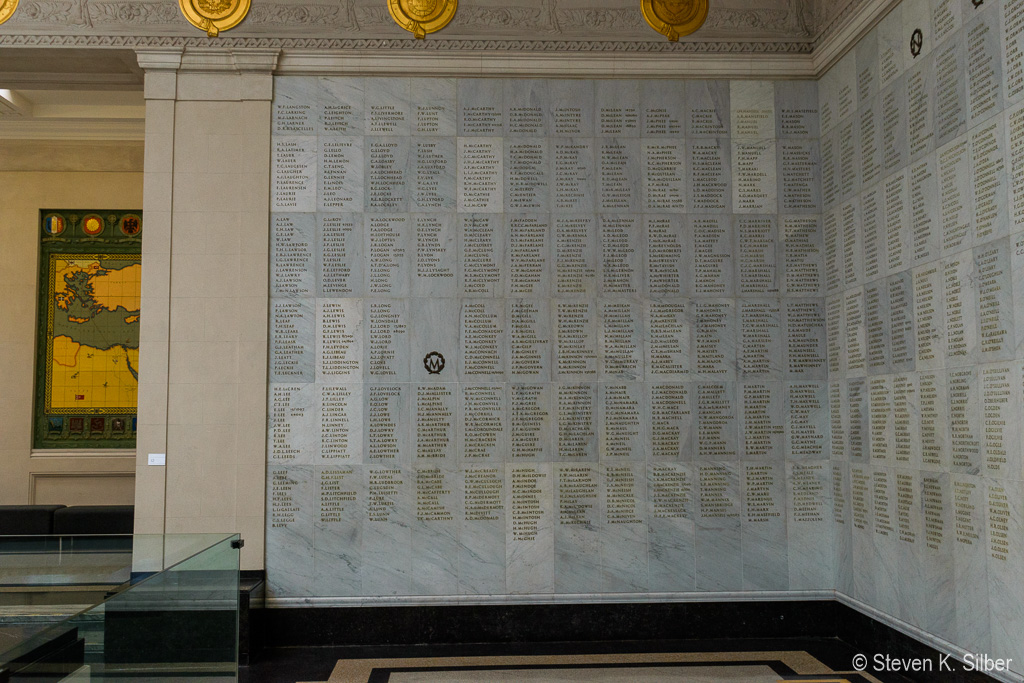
(543, 337)
(924, 307)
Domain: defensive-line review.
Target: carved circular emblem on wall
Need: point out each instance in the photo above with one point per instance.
(214, 16)
(421, 17)
(675, 18)
(434, 363)
(7, 8)
(916, 42)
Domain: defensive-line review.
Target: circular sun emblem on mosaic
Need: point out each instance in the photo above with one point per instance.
(92, 225)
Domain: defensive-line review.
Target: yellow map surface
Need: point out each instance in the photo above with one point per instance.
(94, 333)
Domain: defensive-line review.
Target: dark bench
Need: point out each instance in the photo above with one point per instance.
(77, 520)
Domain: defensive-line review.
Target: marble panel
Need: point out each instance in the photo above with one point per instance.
(863, 556)
(763, 526)
(908, 524)
(994, 290)
(754, 188)
(808, 525)
(752, 106)
(290, 530)
(435, 329)
(574, 172)
(858, 431)
(832, 241)
(935, 570)
(389, 243)
(1017, 283)
(708, 109)
(801, 253)
(482, 265)
(1012, 52)
(835, 334)
(902, 338)
(339, 255)
(530, 423)
(663, 174)
(339, 413)
(710, 242)
(799, 174)
(845, 87)
(961, 319)
(842, 529)
(527, 175)
(530, 529)
(575, 255)
(291, 340)
(869, 137)
(906, 421)
(989, 181)
(717, 433)
(617, 106)
(710, 174)
(435, 424)
(295, 110)
(483, 425)
(829, 151)
(899, 255)
(852, 243)
(796, 107)
(806, 421)
(388, 424)
(620, 348)
(670, 419)
(387, 343)
(481, 107)
(671, 526)
(530, 335)
(386, 170)
(340, 340)
(761, 339)
(574, 327)
(925, 234)
(341, 163)
(624, 544)
(827, 101)
(856, 333)
(484, 519)
(577, 422)
(847, 147)
(880, 411)
(480, 187)
(669, 270)
(342, 105)
(434, 268)
(866, 64)
(873, 236)
(762, 426)
(528, 253)
(929, 316)
(572, 108)
(947, 18)
(718, 535)
(293, 170)
(483, 343)
(618, 175)
(622, 255)
(838, 420)
(714, 339)
(892, 47)
(1005, 568)
(291, 438)
(387, 529)
(957, 201)
(663, 109)
(434, 543)
(432, 164)
(1000, 436)
(963, 386)
(579, 527)
(757, 267)
(527, 108)
(338, 530)
(933, 399)
(434, 111)
(983, 46)
(895, 146)
(970, 562)
(292, 255)
(876, 327)
(622, 429)
(950, 88)
(387, 107)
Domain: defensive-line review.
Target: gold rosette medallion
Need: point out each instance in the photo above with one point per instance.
(7, 8)
(674, 18)
(421, 17)
(214, 16)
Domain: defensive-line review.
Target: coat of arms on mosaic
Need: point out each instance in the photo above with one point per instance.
(421, 17)
(675, 18)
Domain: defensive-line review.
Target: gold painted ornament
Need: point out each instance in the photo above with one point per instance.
(675, 18)
(421, 17)
(7, 8)
(214, 16)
